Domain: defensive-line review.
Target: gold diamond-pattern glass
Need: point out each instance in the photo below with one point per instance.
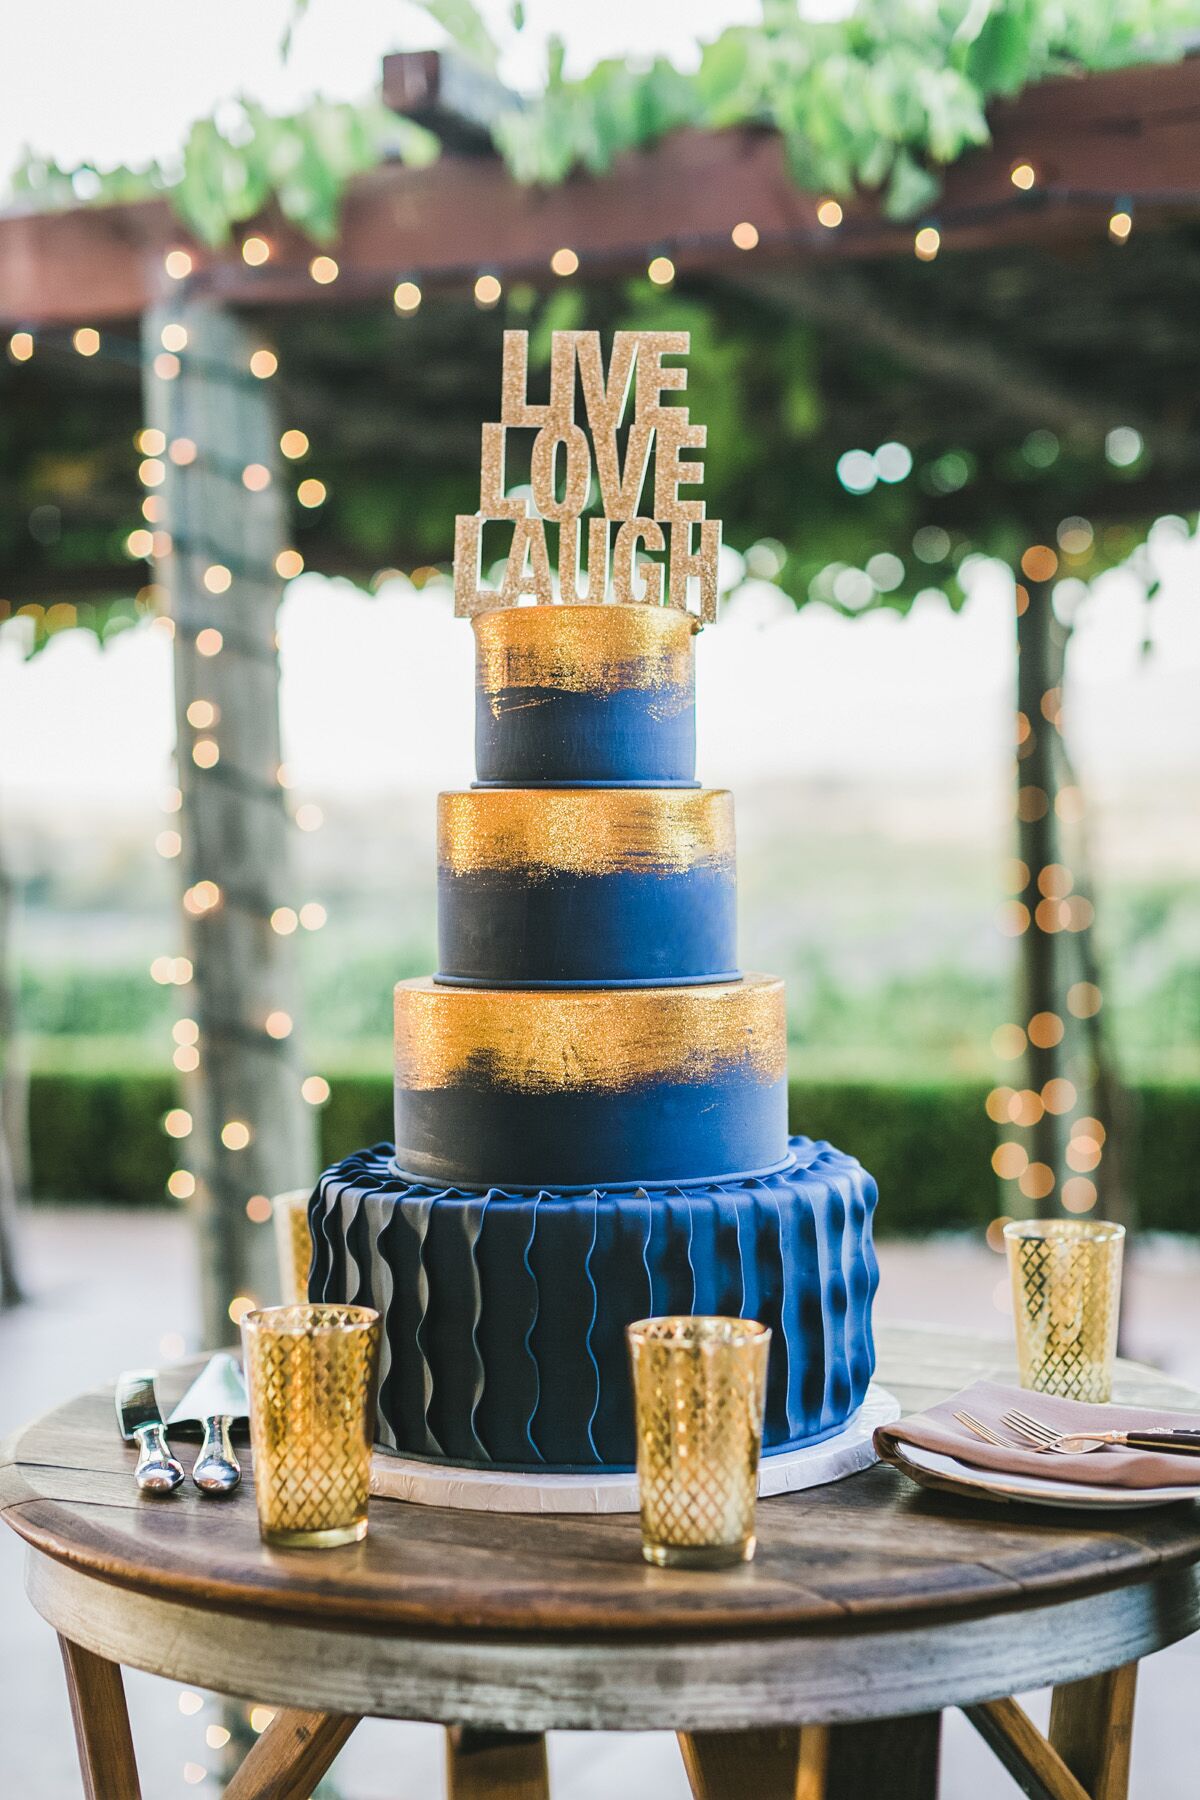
(293, 1244)
(1066, 1285)
(310, 1371)
(699, 1387)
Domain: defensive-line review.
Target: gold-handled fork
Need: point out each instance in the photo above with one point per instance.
(1040, 1436)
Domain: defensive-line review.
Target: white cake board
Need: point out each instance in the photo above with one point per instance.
(498, 1490)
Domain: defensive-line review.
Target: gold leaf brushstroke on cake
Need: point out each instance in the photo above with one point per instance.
(585, 649)
(585, 831)
(576, 1039)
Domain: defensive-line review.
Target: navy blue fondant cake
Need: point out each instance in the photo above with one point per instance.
(586, 887)
(568, 1087)
(591, 696)
(504, 1313)
(591, 1101)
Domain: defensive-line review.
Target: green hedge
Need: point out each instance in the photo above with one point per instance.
(99, 1138)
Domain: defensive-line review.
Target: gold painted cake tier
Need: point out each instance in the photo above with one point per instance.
(585, 831)
(584, 649)
(603, 1039)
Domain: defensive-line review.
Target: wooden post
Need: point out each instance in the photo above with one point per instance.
(1042, 988)
(219, 572)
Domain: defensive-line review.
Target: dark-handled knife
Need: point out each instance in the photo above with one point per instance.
(141, 1423)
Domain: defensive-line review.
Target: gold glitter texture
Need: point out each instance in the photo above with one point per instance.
(577, 460)
(605, 398)
(569, 571)
(469, 597)
(514, 383)
(582, 1039)
(626, 568)
(672, 470)
(527, 570)
(585, 831)
(701, 561)
(652, 379)
(621, 484)
(584, 649)
(636, 361)
(494, 503)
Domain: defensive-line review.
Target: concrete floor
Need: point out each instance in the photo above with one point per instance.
(111, 1288)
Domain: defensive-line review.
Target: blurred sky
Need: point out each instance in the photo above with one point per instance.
(119, 81)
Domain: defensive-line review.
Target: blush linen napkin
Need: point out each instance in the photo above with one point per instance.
(1114, 1466)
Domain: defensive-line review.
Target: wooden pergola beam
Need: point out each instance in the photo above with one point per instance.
(1130, 134)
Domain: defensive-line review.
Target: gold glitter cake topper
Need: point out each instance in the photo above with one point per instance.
(613, 454)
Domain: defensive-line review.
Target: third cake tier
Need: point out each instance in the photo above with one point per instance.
(595, 887)
(526, 1088)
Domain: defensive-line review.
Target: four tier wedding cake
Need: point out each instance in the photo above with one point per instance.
(590, 1097)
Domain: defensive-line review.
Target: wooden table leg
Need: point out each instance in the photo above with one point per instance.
(731, 1765)
(496, 1765)
(1091, 1727)
(291, 1756)
(101, 1719)
(1032, 1761)
(881, 1759)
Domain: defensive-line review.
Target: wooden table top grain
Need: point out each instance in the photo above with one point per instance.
(821, 1669)
(868, 1552)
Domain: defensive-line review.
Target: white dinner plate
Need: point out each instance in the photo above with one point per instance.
(1038, 1490)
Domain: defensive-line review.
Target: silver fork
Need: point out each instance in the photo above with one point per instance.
(981, 1430)
(1041, 1436)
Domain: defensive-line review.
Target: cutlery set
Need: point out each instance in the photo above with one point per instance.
(1028, 1433)
(215, 1401)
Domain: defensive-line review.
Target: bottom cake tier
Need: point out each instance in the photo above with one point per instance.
(505, 1314)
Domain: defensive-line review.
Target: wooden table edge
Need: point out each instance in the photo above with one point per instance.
(913, 1612)
(524, 1682)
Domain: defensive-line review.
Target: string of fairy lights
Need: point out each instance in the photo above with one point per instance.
(1058, 906)
(151, 540)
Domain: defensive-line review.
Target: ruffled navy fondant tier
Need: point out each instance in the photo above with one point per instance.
(585, 696)
(586, 887)
(504, 1315)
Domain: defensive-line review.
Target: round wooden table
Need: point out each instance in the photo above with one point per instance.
(871, 1606)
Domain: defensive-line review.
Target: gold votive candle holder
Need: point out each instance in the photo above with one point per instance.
(1066, 1287)
(699, 1388)
(310, 1373)
(293, 1243)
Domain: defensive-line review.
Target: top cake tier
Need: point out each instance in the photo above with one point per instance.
(585, 696)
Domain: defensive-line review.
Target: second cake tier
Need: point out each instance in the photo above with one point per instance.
(592, 887)
(572, 1087)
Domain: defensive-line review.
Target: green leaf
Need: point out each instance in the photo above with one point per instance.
(998, 60)
(910, 188)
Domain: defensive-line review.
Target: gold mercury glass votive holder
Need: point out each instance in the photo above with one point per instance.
(1066, 1285)
(310, 1372)
(293, 1244)
(699, 1387)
